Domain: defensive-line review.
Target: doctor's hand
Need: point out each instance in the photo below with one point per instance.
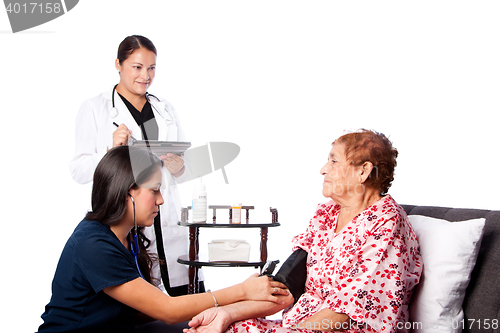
(121, 136)
(174, 164)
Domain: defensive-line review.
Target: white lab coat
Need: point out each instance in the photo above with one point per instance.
(94, 136)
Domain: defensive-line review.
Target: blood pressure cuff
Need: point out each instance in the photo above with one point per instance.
(293, 273)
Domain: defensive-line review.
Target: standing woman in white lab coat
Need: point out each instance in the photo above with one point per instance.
(137, 113)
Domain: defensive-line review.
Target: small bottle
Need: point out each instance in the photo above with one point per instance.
(236, 214)
(199, 203)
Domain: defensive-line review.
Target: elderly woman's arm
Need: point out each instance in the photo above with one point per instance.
(327, 320)
(217, 320)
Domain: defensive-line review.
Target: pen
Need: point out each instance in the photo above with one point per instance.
(131, 136)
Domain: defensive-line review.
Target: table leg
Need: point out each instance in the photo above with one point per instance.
(263, 244)
(191, 285)
(194, 248)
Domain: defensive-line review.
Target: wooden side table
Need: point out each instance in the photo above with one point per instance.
(192, 259)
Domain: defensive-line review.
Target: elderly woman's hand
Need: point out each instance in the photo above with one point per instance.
(173, 163)
(213, 320)
(263, 288)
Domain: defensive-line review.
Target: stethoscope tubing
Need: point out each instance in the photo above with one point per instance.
(148, 95)
(134, 245)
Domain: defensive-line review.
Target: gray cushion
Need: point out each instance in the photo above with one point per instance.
(482, 299)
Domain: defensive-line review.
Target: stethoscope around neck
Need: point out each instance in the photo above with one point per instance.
(134, 243)
(113, 112)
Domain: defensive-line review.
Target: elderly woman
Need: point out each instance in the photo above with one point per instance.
(363, 256)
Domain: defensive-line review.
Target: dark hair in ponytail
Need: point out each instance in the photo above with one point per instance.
(121, 169)
(132, 43)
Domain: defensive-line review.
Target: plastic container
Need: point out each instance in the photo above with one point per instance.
(236, 214)
(199, 204)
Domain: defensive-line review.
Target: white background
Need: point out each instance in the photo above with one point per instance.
(282, 79)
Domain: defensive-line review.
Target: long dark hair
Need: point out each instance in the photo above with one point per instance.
(132, 43)
(121, 169)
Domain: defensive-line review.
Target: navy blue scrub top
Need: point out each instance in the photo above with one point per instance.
(92, 260)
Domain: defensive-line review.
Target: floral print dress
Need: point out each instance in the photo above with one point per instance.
(367, 270)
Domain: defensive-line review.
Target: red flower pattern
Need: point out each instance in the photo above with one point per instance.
(368, 270)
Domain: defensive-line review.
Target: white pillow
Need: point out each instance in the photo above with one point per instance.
(449, 252)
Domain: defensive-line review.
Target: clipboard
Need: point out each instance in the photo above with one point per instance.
(160, 148)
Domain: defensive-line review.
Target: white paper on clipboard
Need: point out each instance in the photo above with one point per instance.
(160, 148)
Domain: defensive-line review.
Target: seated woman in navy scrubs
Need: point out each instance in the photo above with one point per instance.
(101, 286)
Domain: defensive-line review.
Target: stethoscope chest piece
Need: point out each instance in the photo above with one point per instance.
(113, 112)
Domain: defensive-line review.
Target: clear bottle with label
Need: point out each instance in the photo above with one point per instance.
(236, 214)
(199, 204)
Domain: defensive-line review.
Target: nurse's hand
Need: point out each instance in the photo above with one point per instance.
(264, 288)
(121, 135)
(174, 164)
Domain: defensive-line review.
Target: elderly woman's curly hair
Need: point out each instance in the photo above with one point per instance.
(370, 146)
